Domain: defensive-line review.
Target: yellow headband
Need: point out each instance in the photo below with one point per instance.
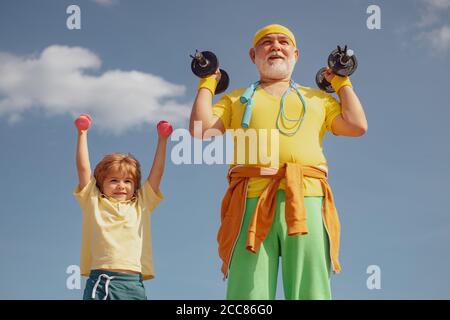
(273, 28)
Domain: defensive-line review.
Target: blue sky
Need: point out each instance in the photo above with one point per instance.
(128, 66)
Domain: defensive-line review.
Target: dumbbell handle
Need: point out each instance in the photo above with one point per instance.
(202, 61)
(347, 56)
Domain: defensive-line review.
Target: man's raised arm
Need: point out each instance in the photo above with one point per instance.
(202, 113)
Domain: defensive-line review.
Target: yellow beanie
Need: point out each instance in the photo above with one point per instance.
(273, 28)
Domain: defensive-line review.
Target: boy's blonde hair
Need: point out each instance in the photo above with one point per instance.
(124, 163)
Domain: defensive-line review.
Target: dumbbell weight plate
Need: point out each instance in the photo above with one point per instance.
(209, 69)
(340, 69)
(223, 82)
(322, 83)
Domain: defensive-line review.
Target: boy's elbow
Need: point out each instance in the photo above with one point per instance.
(84, 170)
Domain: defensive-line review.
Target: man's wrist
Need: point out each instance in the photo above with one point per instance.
(209, 83)
(338, 82)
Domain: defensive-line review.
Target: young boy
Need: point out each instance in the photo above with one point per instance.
(116, 251)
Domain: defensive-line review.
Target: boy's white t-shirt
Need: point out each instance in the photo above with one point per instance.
(117, 234)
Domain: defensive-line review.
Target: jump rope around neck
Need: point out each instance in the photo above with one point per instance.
(247, 99)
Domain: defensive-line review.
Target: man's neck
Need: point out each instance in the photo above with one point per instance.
(275, 87)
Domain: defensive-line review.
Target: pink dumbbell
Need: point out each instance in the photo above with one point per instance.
(164, 128)
(83, 122)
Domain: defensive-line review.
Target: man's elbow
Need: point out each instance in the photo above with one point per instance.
(196, 132)
(360, 131)
(191, 131)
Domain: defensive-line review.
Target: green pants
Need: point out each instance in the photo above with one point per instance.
(305, 259)
(107, 285)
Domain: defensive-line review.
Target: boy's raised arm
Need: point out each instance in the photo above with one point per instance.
(82, 155)
(157, 170)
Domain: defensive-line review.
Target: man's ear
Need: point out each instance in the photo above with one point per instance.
(251, 53)
(297, 54)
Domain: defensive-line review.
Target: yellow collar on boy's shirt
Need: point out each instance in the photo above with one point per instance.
(111, 199)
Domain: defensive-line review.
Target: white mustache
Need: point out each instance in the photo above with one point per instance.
(274, 54)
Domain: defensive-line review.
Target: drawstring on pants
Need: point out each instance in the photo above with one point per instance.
(108, 280)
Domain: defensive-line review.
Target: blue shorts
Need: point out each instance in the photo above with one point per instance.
(108, 285)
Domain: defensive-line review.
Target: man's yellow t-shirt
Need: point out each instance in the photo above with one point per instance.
(117, 234)
(304, 147)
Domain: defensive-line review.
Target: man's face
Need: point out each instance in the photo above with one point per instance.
(275, 56)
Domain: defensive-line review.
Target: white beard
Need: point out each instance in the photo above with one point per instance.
(277, 69)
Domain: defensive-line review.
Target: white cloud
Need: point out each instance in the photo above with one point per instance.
(106, 3)
(428, 18)
(432, 29)
(63, 80)
(438, 4)
(432, 12)
(438, 39)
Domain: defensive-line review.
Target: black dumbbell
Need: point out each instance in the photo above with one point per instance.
(204, 64)
(342, 62)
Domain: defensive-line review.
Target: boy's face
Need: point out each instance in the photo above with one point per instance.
(118, 186)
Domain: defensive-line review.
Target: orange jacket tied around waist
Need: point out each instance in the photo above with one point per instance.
(233, 208)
